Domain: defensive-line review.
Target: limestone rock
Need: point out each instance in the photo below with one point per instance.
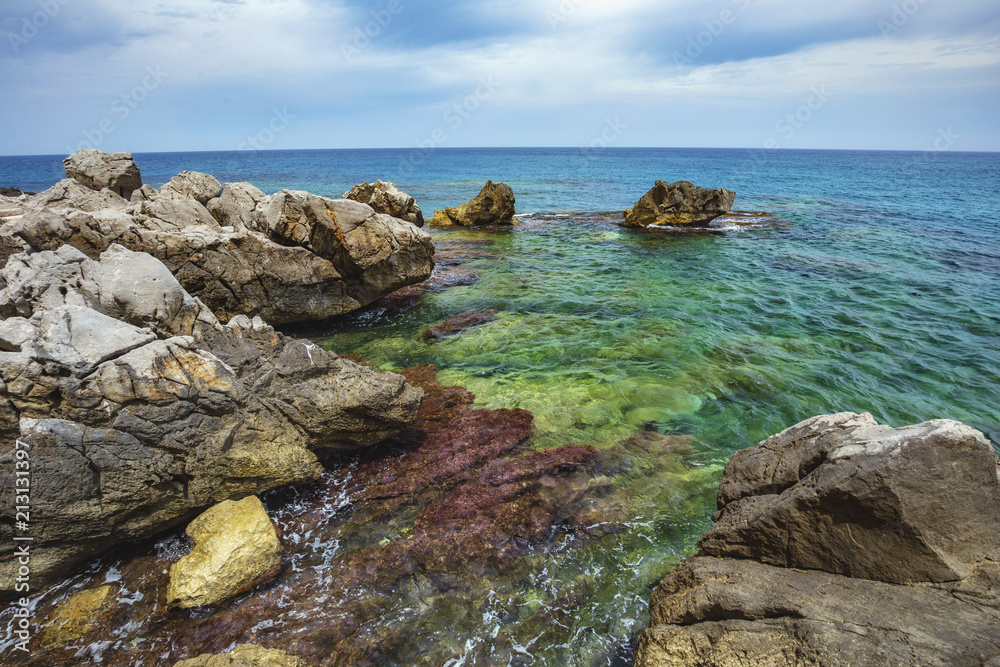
(679, 203)
(76, 615)
(842, 542)
(96, 170)
(142, 409)
(386, 198)
(494, 205)
(245, 655)
(291, 257)
(236, 548)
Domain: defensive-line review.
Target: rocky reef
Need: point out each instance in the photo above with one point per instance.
(679, 204)
(140, 408)
(288, 257)
(494, 205)
(842, 542)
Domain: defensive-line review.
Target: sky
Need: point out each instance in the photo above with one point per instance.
(190, 75)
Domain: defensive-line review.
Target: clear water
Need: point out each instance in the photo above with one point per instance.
(880, 292)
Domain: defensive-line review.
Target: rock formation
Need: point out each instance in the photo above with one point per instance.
(236, 548)
(244, 655)
(679, 203)
(494, 205)
(140, 408)
(460, 323)
(842, 542)
(96, 170)
(388, 199)
(290, 257)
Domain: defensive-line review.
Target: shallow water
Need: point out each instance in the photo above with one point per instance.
(876, 288)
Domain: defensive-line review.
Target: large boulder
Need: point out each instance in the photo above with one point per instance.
(236, 547)
(386, 198)
(679, 204)
(494, 205)
(291, 257)
(842, 542)
(97, 170)
(140, 408)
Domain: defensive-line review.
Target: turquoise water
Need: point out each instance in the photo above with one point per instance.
(878, 290)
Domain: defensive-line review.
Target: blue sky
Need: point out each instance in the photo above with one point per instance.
(176, 75)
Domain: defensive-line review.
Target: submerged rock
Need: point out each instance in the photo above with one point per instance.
(842, 542)
(386, 198)
(291, 257)
(460, 323)
(244, 655)
(679, 203)
(96, 170)
(76, 615)
(236, 548)
(140, 408)
(494, 205)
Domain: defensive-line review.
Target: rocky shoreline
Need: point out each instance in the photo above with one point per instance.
(140, 366)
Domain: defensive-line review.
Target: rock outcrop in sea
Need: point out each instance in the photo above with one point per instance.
(141, 408)
(679, 204)
(288, 257)
(842, 542)
(494, 205)
(386, 198)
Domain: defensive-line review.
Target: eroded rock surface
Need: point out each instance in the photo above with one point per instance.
(494, 205)
(290, 257)
(679, 203)
(842, 542)
(386, 198)
(244, 655)
(96, 170)
(140, 408)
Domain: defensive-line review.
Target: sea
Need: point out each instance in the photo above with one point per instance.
(871, 285)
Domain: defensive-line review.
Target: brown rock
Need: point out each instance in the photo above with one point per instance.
(459, 323)
(245, 655)
(679, 203)
(494, 205)
(388, 199)
(76, 615)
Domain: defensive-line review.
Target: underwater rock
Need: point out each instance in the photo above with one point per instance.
(236, 548)
(494, 205)
(459, 323)
(244, 655)
(96, 170)
(139, 408)
(842, 542)
(291, 257)
(76, 615)
(386, 198)
(679, 203)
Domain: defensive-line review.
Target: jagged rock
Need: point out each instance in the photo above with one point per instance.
(679, 203)
(141, 408)
(96, 170)
(244, 655)
(850, 505)
(291, 257)
(494, 205)
(386, 198)
(236, 548)
(76, 615)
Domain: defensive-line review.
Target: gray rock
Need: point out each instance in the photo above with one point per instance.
(842, 542)
(679, 203)
(386, 198)
(494, 205)
(238, 207)
(193, 185)
(93, 169)
(134, 434)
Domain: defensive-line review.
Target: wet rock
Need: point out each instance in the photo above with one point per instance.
(141, 408)
(460, 323)
(96, 170)
(386, 198)
(842, 542)
(292, 257)
(236, 548)
(494, 205)
(245, 655)
(77, 615)
(679, 203)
